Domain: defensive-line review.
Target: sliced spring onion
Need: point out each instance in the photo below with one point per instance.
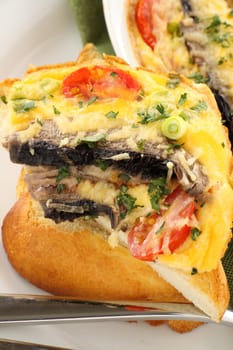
(174, 127)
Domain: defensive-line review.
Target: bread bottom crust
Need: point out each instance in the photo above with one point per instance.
(74, 259)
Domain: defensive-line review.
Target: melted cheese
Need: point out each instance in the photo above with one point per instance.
(205, 140)
(171, 52)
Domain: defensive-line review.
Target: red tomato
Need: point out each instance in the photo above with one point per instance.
(159, 234)
(143, 17)
(102, 82)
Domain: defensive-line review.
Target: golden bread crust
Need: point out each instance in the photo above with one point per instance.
(76, 262)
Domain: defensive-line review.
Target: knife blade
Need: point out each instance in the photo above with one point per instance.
(46, 309)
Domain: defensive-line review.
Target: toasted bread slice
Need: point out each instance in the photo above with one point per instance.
(74, 258)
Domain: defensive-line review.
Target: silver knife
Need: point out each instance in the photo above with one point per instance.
(7, 344)
(46, 309)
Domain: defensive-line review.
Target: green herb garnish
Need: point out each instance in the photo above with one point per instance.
(195, 232)
(174, 81)
(22, 105)
(157, 189)
(55, 110)
(92, 139)
(38, 121)
(172, 146)
(198, 78)
(100, 163)
(200, 106)
(140, 145)
(124, 177)
(92, 100)
(111, 114)
(222, 60)
(183, 99)
(194, 271)
(114, 74)
(4, 99)
(214, 24)
(149, 116)
(79, 179)
(160, 229)
(174, 29)
(174, 127)
(60, 188)
(62, 173)
(217, 30)
(126, 202)
(80, 104)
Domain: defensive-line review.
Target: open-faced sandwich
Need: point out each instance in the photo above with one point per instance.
(191, 37)
(126, 183)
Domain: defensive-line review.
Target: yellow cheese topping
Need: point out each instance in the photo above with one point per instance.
(38, 98)
(205, 37)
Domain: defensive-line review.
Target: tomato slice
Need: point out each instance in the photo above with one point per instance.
(159, 234)
(143, 17)
(102, 82)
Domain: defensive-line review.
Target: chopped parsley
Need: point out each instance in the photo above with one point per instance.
(153, 115)
(173, 146)
(185, 115)
(182, 99)
(113, 74)
(194, 271)
(126, 202)
(22, 105)
(160, 229)
(39, 122)
(217, 31)
(62, 173)
(213, 27)
(4, 99)
(195, 232)
(200, 106)
(198, 78)
(174, 29)
(55, 110)
(92, 139)
(174, 80)
(140, 145)
(92, 100)
(111, 114)
(124, 177)
(157, 189)
(60, 188)
(80, 104)
(100, 163)
(79, 179)
(222, 60)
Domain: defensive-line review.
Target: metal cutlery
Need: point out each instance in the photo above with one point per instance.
(7, 344)
(45, 309)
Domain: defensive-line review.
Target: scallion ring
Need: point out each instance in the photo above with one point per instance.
(174, 127)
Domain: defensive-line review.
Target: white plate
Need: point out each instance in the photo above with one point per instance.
(41, 32)
(118, 31)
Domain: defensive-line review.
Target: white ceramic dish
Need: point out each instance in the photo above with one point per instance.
(115, 18)
(41, 32)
